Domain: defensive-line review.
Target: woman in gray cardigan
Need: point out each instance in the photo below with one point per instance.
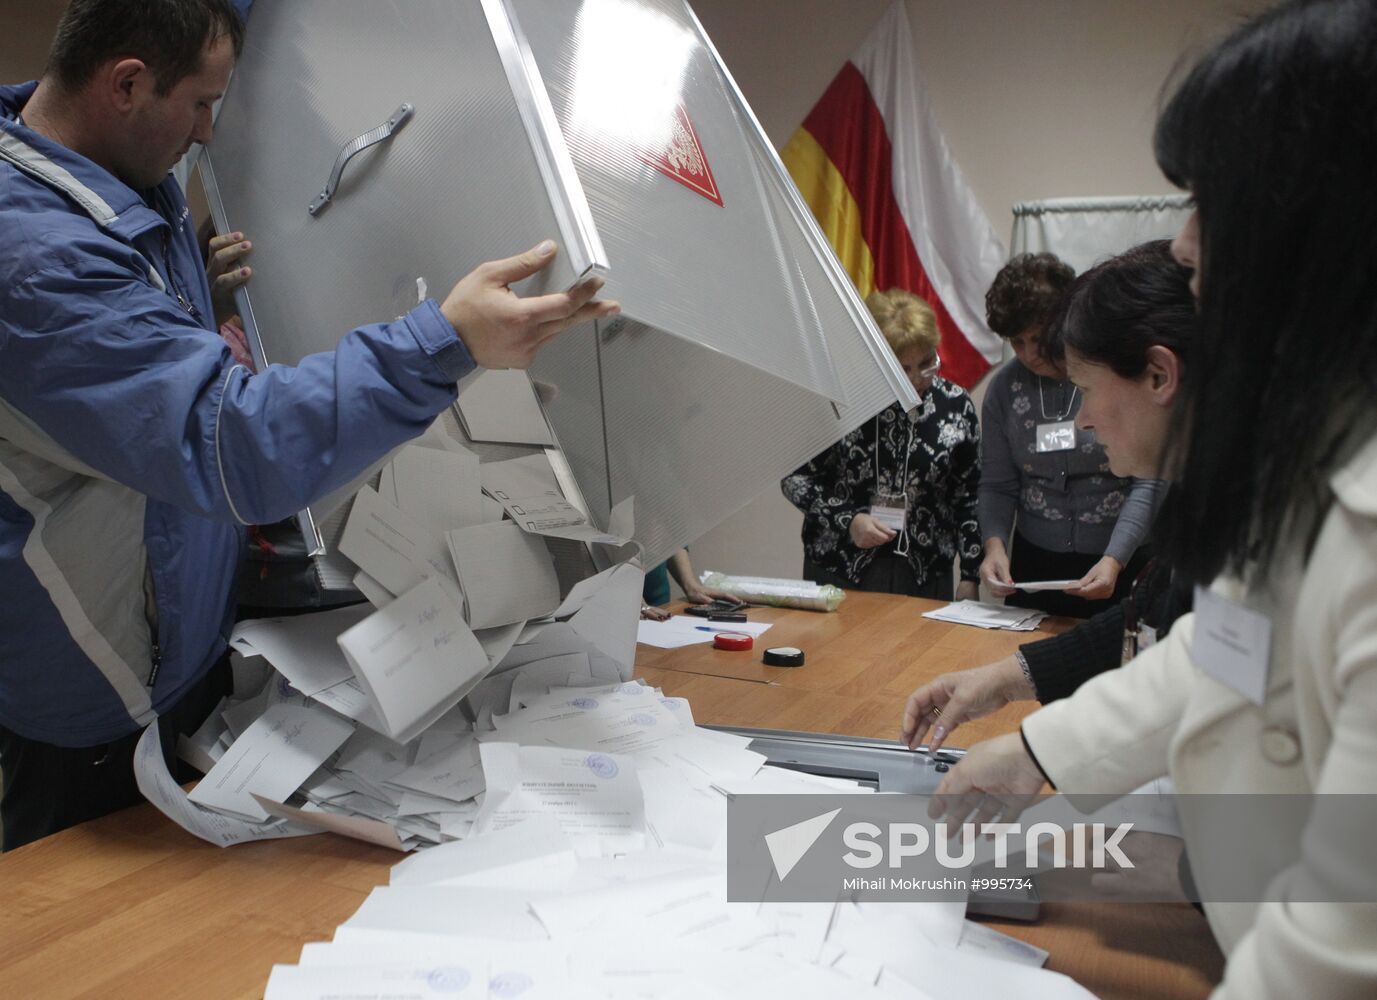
(1050, 509)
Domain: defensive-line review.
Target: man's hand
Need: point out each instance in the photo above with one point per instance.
(995, 569)
(1099, 582)
(503, 330)
(226, 271)
(995, 778)
(944, 704)
(869, 533)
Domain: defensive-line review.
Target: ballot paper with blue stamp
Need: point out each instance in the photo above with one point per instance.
(593, 796)
(607, 723)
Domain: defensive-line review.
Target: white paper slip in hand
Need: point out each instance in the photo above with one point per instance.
(1033, 588)
(416, 658)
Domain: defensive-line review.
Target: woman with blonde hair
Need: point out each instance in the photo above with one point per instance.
(891, 505)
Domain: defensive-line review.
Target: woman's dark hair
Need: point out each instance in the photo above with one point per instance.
(1122, 306)
(170, 36)
(1025, 292)
(1273, 132)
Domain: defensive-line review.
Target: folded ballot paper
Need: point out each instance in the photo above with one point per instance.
(415, 658)
(983, 615)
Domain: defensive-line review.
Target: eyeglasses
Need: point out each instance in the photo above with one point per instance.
(933, 368)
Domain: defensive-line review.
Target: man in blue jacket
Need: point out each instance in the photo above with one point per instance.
(132, 448)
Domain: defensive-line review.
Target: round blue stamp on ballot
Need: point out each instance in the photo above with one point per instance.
(644, 719)
(584, 703)
(449, 979)
(509, 984)
(602, 765)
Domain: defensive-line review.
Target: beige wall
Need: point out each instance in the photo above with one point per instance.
(1037, 98)
(24, 42)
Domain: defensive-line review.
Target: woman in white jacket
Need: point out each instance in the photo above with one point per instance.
(1270, 686)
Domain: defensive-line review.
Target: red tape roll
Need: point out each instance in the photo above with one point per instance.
(732, 640)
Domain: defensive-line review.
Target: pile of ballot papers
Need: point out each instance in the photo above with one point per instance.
(983, 615)
(361, 719)
(583, 855)
(574, 833)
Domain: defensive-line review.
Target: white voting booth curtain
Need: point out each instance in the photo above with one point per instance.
(1083, 231)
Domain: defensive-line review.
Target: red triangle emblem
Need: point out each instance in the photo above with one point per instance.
(683, 158)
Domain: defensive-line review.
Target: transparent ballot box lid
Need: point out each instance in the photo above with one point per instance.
(378, 152)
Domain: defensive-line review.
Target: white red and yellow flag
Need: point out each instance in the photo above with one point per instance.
(876, 171)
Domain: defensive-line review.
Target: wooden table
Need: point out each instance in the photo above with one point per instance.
(130, 905)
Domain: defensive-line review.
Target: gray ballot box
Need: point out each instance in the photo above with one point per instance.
(378, 152)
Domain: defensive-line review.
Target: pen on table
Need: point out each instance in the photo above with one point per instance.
(709, 628)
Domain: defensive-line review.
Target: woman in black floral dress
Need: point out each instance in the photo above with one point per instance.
(890, 506)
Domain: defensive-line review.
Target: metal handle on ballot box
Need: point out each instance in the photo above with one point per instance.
(354, 147)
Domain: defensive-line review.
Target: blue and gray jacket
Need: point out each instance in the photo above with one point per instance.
(133, 449)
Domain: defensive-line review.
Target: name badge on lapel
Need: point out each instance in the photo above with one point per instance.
(890, 510)
(1232, 644)
(1057, 436)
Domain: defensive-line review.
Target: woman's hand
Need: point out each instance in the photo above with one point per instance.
(869, 533)
(995, 778)
(995, 569)
(968, 590)
(1099, 582)
(706, 595)
(225, 271)
(960, 696)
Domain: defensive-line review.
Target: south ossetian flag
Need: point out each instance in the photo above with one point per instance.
(872, 164)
